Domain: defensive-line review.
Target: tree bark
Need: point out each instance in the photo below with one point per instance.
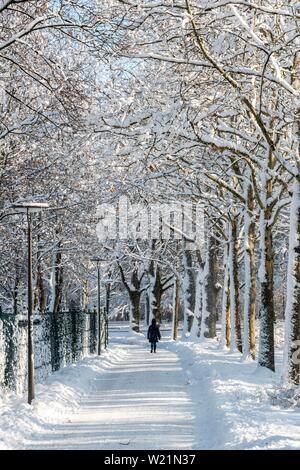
(249, 343)
(291, 366)
(235, 308)
(147, 309)
(135, 298)
(267, 316)
(228, 314)
(58, 281)
(292, 313)
(134, 291)
(189, 291)
(176, 308)
(40, 299)
(225, 326)
(85, 294)
(16, 291)
(212, 289)
(157, 292)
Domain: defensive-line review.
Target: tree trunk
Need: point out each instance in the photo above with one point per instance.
(107, 298)
(85, 294)
(228, 314)
(225, 321)
(196, 326)
(249, 343)
(134, 292)
(189, 291)
(135, 310)
(58, 281)
(211, 287)
(147, 309)
(266, 275)
(291, 366)
(16, 289)
(39, 292)
(267, 316)
(235, 309)
(292, 314)
(156, 296)
(176, 308)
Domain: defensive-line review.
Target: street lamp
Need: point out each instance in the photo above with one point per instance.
(98, 261)
(29, 208)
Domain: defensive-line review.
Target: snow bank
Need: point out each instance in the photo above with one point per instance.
(57, 399)
(237, 405)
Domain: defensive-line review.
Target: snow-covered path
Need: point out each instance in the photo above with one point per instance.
(187, 396)
(140, 402)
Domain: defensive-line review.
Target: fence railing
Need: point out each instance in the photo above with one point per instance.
(59, 339)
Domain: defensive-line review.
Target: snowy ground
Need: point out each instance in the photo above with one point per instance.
(186, 396)
(233, 401)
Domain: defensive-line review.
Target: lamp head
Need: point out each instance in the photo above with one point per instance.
(31, 206)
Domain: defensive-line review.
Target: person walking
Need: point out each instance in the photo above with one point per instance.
(153, 335)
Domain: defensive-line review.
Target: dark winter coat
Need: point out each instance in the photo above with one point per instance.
(153, 334)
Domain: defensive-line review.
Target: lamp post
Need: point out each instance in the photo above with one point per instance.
(98, 261)
(29, 208)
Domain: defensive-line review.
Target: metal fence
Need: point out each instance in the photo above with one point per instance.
(59, 339)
